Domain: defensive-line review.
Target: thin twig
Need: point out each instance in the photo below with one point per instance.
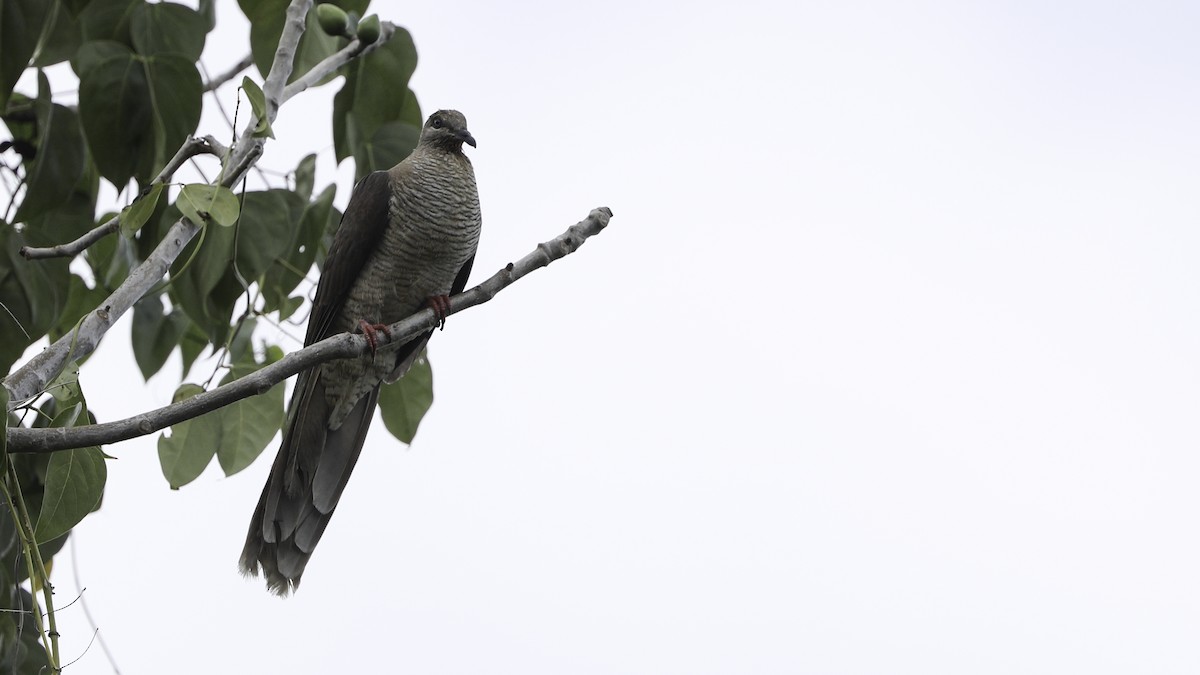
(228, 75)
(340, 346)
(190, 148)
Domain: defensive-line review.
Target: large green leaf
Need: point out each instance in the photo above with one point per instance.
(136, 110)
(74, 484)
(269, 222)
(184, 454)
(361, 107)
(389, 144)
(248, 426)
(191, 345)
(197, 275)
(21, 24)
(53, 174)
(288, 269)
(236, 433)
(32, 295)
(80, 301)
(305, 175)
(404, 403)
(155, 334)
(62, 40)
(70, 219)
(168, 28)
(108, 20)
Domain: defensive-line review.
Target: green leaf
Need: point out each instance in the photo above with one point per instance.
(389, 144)
(289, 307)
(75, 6)
(305, 174)
(196, 281)
(404, 403)
(185, 454)
(248, 426)
(201, 203)
(362, 107)
(62, 41)
(291, 266)
(32, 295)
(80, 301)
(237, 433)
(208, 11)
(208, 289)
(191, 345)
(207, 301)
(92, 54)
(134, 216)
(69, 219)
(21, 24)
(110, 258)
(68, 396)
(53, 174)
(136, 110)
(155, 334)
(258, 105)
(241, 349)
(61, 183)
(108, 20)
(270, 222)
(152, 233)
(74, 484)
(168, 28)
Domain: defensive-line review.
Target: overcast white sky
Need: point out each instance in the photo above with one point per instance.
(888, 362)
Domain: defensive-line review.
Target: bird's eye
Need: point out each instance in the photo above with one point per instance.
(437, 123)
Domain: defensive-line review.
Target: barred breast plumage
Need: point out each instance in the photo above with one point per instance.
(408, 238)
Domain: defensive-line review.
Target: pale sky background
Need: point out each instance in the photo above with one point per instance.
(888, 362)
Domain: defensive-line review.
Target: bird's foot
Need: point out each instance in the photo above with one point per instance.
(440, 304)
(371, 332)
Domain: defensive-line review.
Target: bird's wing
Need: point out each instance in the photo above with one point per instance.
(357, 236)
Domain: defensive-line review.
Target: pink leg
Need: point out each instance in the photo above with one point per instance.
(371, 332)
(440, 304)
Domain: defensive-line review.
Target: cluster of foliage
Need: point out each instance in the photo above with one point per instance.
(139, 98)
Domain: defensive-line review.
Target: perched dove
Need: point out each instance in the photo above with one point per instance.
(407, 240)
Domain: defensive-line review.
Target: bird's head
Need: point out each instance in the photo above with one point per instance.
(447, 129)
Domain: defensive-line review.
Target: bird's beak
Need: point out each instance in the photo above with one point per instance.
(466, 137)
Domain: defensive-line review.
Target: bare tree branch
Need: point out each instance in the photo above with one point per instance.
(228, 75)
(31, 379)
(21, 439)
